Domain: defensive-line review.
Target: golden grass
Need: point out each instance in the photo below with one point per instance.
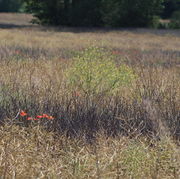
(35, 153)
(50, 38)
(133, 134)
(15, 18)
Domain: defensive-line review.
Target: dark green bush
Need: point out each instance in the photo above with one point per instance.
(11, 5)
(119, 13)
(175, 20)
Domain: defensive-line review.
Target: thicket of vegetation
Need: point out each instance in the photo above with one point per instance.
(111, 13)
(96, 12)
(170, 7)
(11, 5)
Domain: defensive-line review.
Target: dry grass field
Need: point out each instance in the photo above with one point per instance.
(98, 129)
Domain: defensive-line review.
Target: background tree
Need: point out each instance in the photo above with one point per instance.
(111, 12)
(10, 5)
(121, 13)
(170, 6)
(85, 13)
(131, 13)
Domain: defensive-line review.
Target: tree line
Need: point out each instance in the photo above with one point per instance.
(11, 5)
(112, 13)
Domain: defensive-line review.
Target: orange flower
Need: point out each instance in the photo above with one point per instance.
(29, 118)
(35, 119)
(50, 117)
(45, 116)
(22, 113)
(39, 117)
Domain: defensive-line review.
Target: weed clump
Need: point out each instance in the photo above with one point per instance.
(94, 72)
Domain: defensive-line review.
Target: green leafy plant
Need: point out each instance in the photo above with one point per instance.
(94, 72)
(175, 20)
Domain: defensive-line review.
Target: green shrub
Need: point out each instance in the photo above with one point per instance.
(155, 22)
(94, 72)
(175, 21)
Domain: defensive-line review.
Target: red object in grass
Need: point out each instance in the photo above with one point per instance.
(35, 119)
(39, 117)
(22, 113)
(45, 116)
(29, 118)
(50, 117)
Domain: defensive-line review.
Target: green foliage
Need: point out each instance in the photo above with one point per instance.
(139, 12)
(110, 11)
(155, 22)
(85, 13)
(95, 12)
(170, 6)
(10, 5)
(46, 12)
(66, 12)
(175, 21)
(95, 72)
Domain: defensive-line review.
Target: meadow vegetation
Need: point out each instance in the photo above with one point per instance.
(114, 96)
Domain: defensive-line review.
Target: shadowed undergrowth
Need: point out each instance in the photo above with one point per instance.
(90, 93)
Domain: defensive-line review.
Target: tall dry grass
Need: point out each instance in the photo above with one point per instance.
(36, 153)
(34, 82)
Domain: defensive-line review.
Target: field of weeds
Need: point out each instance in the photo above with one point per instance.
(88, 103)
